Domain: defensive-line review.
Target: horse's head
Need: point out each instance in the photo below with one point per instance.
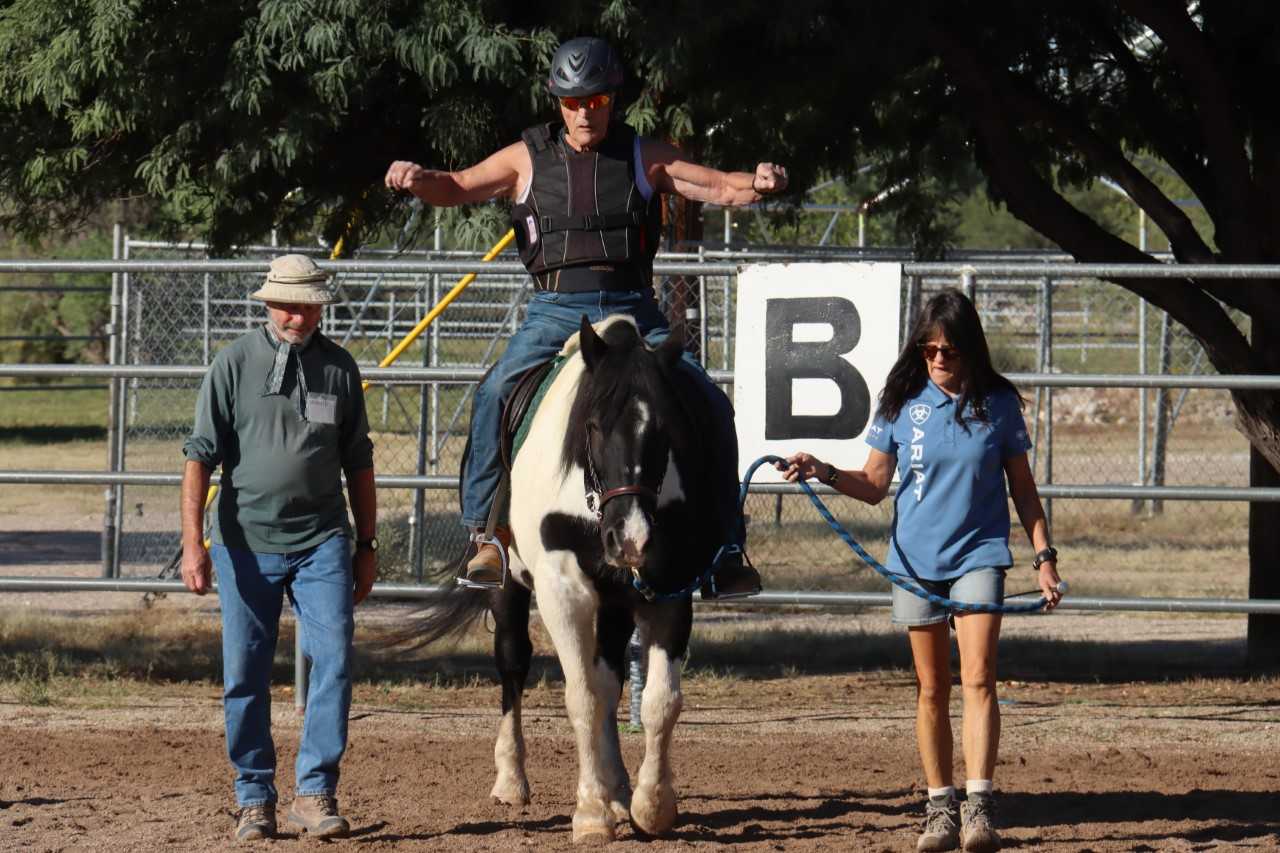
(623, 431)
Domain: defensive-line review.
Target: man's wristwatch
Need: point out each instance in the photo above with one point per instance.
(833, 474)
(1045, 556)
(370, 544)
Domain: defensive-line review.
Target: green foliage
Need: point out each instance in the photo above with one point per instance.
(240, 116)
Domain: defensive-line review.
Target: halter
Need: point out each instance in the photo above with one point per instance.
(597, 495)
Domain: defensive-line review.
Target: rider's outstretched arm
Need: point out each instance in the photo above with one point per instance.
(496, 176)
(669, 171)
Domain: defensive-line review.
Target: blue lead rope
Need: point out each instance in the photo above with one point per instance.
(896, 580)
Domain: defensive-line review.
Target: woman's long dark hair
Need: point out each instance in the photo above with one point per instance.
(951, 313)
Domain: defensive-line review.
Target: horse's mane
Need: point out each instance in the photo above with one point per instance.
(630, 371)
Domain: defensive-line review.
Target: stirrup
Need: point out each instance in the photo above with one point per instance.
(725, 550)
(480, 539)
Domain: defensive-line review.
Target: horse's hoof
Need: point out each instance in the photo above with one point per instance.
(621, 810)
(653, 811)
(593, 830)
(511, 792)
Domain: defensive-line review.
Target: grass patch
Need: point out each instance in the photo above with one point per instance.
(72, 408)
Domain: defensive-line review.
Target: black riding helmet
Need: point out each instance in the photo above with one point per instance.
(584, 66)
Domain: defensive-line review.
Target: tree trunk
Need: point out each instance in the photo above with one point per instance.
(1259, 416)
(1264, 565)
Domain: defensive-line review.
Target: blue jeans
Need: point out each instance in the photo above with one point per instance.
(251, 588)
(553, 318)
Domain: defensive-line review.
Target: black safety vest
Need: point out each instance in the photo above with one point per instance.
(585, 224)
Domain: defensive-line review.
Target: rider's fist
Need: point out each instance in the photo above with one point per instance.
(403, 175)
(769, 178)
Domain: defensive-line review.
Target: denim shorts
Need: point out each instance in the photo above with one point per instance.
(976, 586)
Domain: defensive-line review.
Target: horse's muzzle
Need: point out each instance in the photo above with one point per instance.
(624, 551)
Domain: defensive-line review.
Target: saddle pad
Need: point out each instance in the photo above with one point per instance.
(517, 414)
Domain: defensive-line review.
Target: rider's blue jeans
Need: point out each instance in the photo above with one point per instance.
(553, 318)
(251, 588)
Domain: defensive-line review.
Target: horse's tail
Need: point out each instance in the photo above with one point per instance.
(449, 615)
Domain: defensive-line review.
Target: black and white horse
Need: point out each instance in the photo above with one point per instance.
(610, 496)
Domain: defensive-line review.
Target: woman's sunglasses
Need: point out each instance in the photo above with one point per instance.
(930, 352)
(590, 102)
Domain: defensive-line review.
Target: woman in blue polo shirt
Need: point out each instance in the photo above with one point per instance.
(953, 428)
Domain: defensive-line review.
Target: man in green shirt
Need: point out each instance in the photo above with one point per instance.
(282, 411)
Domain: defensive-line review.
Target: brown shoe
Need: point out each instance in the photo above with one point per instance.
(318, 815)
(256, 822)
(486, 566)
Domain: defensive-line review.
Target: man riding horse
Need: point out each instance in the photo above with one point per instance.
(587, 201)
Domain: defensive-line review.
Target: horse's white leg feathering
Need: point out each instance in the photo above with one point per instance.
(512, 785)
(568, 604)
(653, 806)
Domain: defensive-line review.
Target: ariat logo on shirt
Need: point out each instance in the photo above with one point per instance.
(917, 459)
(919, 413)
(875, 430)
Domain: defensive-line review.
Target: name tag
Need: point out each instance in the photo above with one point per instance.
(322, 408)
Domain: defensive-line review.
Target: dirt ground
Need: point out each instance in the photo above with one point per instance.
(801, 763)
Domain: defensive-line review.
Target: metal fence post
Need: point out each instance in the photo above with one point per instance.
(1048, 401)
(1042, 336)
(416, 526)
(386, 387)
(702, 307)
(969, 283)
(112, 493)
(1160, 440)
(122, 411)
(1142, 399)
(207, 344)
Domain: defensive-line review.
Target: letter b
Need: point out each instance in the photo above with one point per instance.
(786, 360)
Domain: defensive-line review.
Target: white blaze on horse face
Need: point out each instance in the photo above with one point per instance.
(635, 528)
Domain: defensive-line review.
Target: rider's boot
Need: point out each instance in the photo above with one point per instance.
(486, 566)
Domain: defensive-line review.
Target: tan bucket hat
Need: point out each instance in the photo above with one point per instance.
(296, 279)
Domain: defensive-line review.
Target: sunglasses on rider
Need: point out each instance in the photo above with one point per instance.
(590, 102)
(930, 352)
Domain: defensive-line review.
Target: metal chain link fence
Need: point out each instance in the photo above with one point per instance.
(1082, 436)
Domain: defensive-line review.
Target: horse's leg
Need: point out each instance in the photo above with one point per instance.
(666, 629)
(568, 606)
(512, 651)
(613, 631)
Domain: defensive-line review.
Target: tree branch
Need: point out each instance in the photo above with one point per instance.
(1033, 200)
(1228, 161)
(1144, 104)
(1109, 160)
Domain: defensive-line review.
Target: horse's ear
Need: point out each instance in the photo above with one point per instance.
(592, 347)
(671, 349)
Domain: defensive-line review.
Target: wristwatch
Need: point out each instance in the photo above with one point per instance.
(1045, 556)
(370, 544)
(833, 474)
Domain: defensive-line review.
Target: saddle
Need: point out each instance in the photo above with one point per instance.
(530, 388)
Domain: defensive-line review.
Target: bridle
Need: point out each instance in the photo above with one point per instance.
(597, 495)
